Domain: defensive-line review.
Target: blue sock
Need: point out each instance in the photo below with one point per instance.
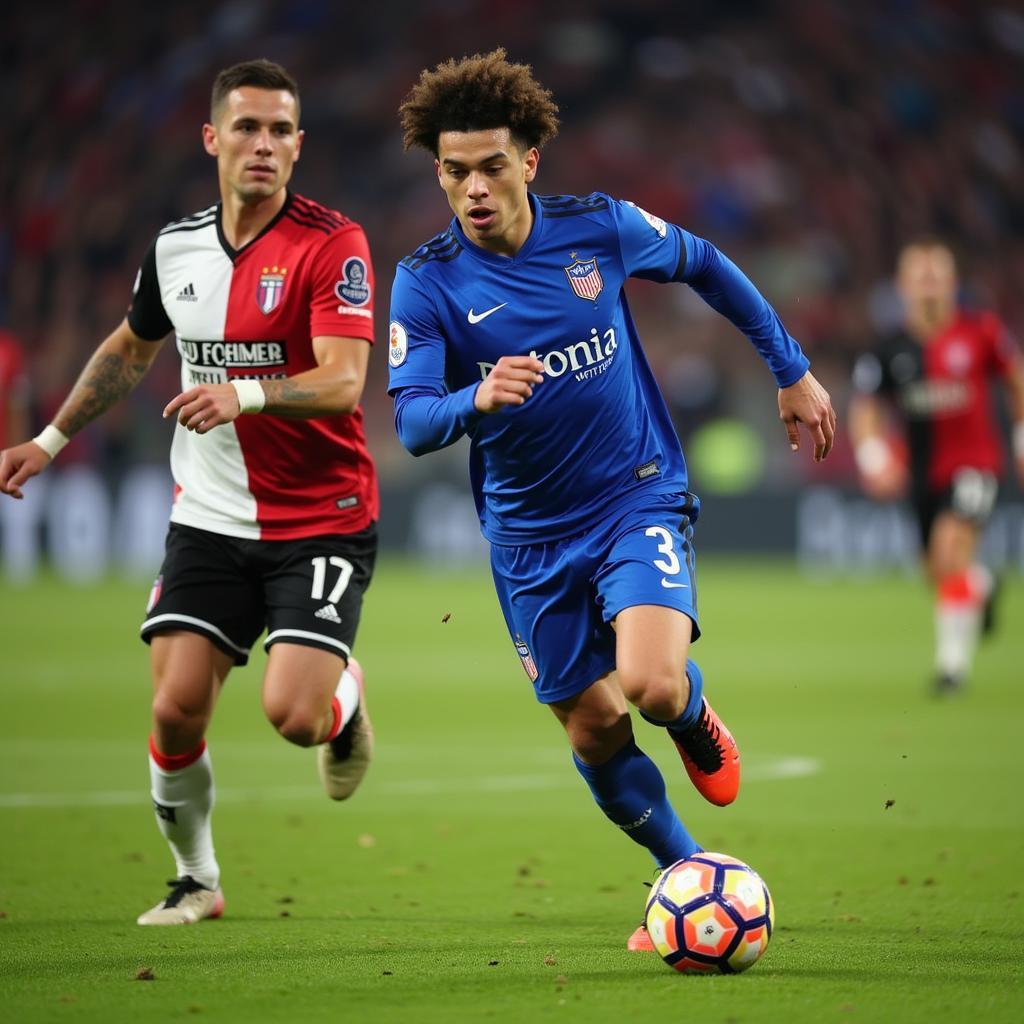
(693, 706)
(631, 792)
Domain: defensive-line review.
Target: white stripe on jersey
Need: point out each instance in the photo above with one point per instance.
(208, 468)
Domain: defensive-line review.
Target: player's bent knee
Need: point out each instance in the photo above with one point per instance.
(298, 729)
(661, 693)
(598, 740)
(176, 722)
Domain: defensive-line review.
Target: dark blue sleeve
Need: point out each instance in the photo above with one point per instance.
(727, 290)
(428, 418)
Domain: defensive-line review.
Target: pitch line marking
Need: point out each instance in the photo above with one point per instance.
(773, 769)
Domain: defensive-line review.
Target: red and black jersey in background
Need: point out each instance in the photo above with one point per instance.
(943, 389)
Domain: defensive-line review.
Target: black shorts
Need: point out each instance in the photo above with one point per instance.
(307, 591)
(970, 497)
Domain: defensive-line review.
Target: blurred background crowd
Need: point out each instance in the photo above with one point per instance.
(806, 138)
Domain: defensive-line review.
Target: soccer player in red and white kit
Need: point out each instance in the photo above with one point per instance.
(273, 525)
(937, 373)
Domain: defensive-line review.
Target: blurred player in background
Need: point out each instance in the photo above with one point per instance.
(14, 390)
(936, 374)
(273, 526)
(511, 326)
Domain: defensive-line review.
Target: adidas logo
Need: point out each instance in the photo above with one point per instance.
(187, 294)
(328, 612)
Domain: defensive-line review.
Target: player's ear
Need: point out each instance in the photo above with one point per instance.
(210, 139)
(530, 161)
(437, 171)
(299, 136)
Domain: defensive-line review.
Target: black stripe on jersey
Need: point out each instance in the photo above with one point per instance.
(315, 210)
(315, 225)
(571, 206)
(554, 205)
(318, 216)
(183, 222)
(443, 248)
(208, 212)
(415, 262)
(174, 228)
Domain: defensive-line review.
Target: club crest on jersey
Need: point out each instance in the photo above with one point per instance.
(527, 659)
(270, 290)
(353, 287)
(585, 279)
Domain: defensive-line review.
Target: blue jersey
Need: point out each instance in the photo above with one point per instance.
(596, 434)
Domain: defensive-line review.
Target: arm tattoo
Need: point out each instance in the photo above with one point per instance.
(288, 392)
(106, 379)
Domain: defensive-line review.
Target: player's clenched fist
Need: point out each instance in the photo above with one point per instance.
(511, 382)
(205, 407)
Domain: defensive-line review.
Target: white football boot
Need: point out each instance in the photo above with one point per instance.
(188, 903)
(343, 761)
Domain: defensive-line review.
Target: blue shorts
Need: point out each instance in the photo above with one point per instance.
(559, 598)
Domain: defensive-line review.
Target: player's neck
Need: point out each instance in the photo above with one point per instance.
(242, 221)
(927, 319)
(510, 241)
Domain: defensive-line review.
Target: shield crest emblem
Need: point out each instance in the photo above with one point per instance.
(270, 290)
(585, 279)
(527, 659)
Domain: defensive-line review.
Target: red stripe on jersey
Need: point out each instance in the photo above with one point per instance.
(309, 476)
(964, 358)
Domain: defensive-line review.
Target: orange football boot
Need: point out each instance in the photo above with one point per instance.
(711, 757)
(640, 941)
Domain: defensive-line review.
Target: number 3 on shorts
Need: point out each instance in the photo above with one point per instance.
(670, 567)
(344, 567)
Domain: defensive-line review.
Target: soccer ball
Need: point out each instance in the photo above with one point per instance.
(710, 913)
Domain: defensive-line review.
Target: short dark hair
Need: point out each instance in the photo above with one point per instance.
(928, 240)
(261, 73)
(474, 94)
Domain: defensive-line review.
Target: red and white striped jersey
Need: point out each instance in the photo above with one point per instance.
(252, 313)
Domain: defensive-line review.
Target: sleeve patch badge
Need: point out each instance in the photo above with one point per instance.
(398, 344)
(527, 659)
(353, 287)
(656, 222)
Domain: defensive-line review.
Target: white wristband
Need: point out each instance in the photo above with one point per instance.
(251, 396)
(51, 440)
(872, 456)
(1018, 439)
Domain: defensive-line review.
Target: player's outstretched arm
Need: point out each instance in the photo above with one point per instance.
(117, 365)
(806, 402)
(332, 388)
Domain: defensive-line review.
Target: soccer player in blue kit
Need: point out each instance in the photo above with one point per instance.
(512, 326)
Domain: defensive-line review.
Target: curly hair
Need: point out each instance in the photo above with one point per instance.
(474, 94)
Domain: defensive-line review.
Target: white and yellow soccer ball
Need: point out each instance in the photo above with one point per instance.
(711, 914)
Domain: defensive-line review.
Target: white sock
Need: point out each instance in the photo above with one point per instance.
(958, 615)
(956, 636)
(183, 799)
(344, 703)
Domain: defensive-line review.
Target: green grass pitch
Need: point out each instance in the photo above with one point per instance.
(471, 878)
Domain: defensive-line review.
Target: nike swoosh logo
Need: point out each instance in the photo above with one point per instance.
(475, 318)
(668, 585)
